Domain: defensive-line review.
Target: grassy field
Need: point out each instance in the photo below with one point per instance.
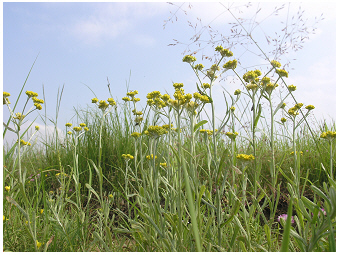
(166, 177)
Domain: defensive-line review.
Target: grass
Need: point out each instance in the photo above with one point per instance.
(180, 187)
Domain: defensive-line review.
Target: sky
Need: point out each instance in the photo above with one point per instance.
(80, 46)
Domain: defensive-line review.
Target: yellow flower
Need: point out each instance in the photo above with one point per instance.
(162, 164)
(282, 72)
(150, 156)
(329, 135)
(19, 116)
(178, 85)
(69, 132)
(6, 94)
(132, 93)
(214, 68)
(275, 63)
(310, 107)
(231, 64)
(68, 124)
(232, 108)
(156, 131)
(245, 157)
(206, 85)
(103, 105)
(127, 156)
(226, 53)
(301, 153)
(231, 135)
(77, 129)
(36, 100)
(82, 124)
(4, 218)
(136, 134)
(37, 128)
(199, 67)
(110, 196)
(38, 106)
(189, 59)
(126, 99)
(7, 188)
(41, 211)
(298, 106)
(31, 94)
(283, 120)
(94, 100)
(38, 244)
(291, 88)
(86, 128)
(237, 92)
(111, 101)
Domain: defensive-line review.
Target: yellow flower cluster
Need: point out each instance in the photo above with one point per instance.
(178, 85)
(199, 67)
(19, 116)
(189, 59)
(275, 64)
(237, 92)
(270, 87)
(5, 97)
(291, 87)
(127, 156)
(126, 99)
(231, 64)
(102, 103)
(202, 98)
(224, 52)
(294, 110)
(37, 102)
(162, 164)
(150, 157)
(61, 174)
(31, 94)
(231, 135)
(283, 120)
(136, 134)
(310, 107)
(7, 188)
(209, 132)
(22, 142)
(205, 85)
(328, 135)
(232, 108)
(155, 131)
(250, 76)
(245, 157)
(132, 93)
(282, 72)
(252, 86)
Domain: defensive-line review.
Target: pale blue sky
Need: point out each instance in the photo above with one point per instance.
(87, 42)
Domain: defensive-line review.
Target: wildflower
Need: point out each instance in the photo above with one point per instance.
(284, 217)
(110, 196)
(293, 111)
(270, 87)
(31, 94)
(131, 93)
(51, 192)
(298, 106)
(111, 101)
(205, 99)
(245, 157)
(189, 59)
(231, 135)
(82, 124)
(103, 105)
(94, 100)
(162, 164)
(237, 92)
(283, 105)
(275, 63)
(231, 64)
(250, 76)
(226, 53)
(36, 100)
(156, 131)
(214, 68)
(69, 132)
(207, 131)
(251, 86)
(7, 188)
(136, 99)
(199, 67)
(150, 102)
(126, 99)
(310, 107)
(219, 48)
(291, 88)
(301, 153)
(178, 85)
(38, 106)
(86, 129)
(38, 244)
(22, 142)
(4, 218)
(127, 157)
(37, 128)
(165, 97)
(41, 211)
(68, 124)
(136, 134)
(282, 72)
(6, 100)
(6, 94)
(283, 120)
(329, 135)
(77, 129)
(211, 74)
(150, 157)
(19, 116)
(206, 85)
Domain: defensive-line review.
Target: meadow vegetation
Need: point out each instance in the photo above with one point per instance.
(170, 177)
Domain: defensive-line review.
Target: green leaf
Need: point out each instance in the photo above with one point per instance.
(92, 190)
(201, 123)
(258, 115)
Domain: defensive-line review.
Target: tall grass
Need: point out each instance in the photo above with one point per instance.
(159, 179)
